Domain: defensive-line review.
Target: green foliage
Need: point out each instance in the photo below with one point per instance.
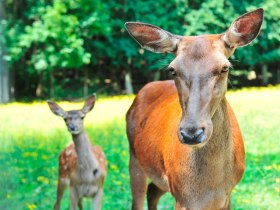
(28, 155)
(216, 17)
(84, 43)
(50, 36)
(55, 37)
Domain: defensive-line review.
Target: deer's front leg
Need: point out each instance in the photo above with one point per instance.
(138, 183)
(73, 198)
(97, 199)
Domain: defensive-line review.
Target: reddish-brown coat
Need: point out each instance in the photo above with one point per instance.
(185, 136)
(152, 130)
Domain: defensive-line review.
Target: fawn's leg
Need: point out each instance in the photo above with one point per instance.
(61, 185)
(80, 203)
(73, 198)
(97, 199)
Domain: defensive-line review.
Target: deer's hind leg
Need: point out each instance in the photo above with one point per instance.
(138, 183)
(153, 196)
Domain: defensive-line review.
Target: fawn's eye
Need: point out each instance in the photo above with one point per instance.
(172, 70)
(82, 117)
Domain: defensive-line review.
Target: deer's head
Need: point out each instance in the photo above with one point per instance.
(74, 119)
(200, 68)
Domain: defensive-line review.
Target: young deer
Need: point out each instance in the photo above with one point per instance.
(80, 163)
(183, 134)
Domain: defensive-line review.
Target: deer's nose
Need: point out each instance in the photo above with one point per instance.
(72, 127)
(192, 135)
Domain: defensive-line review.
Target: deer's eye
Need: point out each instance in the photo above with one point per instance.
(172, 70)
(225, 69)
(82, 117)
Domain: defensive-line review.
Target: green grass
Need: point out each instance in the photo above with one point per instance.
(31, 138)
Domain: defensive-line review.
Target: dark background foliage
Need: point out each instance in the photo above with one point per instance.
(66, 49)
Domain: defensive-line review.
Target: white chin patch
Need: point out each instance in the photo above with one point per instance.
(74, 132)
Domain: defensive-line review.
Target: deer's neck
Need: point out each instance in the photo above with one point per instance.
(85, 157)
(216, 155)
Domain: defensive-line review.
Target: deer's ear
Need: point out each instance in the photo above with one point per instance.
(57, 110)
(152, 38)
(244, 29)
(89, 104)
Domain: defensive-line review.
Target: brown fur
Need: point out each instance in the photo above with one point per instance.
(188, 174)
(183, 135)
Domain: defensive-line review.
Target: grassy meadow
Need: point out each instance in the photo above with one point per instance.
(31, 138)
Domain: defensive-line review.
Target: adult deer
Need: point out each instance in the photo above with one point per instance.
(183, 134)
(80, 163)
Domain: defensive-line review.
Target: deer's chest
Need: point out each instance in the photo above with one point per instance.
(85, 190)
(202, 185)
(214, 199)
(90, 176)
(86, 182)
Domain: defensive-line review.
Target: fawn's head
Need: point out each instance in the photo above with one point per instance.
(74, 119)
(200, 68)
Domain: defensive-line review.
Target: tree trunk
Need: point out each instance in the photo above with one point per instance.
(76, 73)
(128, 83)
(278, 75)
(86, 83)
(4, 83)
(39, 89)
(4, 72)
(12, 84)
(264, 74)
(51, 84)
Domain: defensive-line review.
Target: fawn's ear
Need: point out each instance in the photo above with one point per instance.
(57, 110)
(244, 29)
(152, 38)
(89, 104)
